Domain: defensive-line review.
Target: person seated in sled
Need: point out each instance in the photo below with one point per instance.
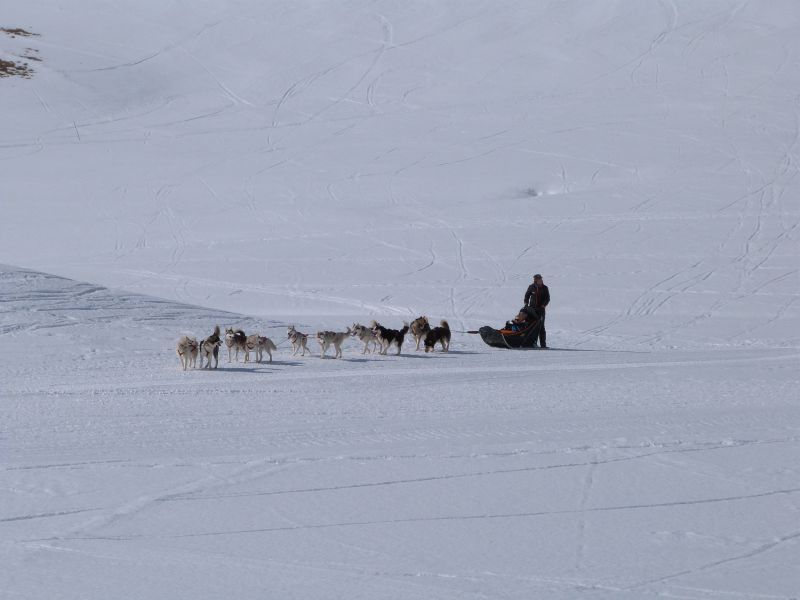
(518, 323)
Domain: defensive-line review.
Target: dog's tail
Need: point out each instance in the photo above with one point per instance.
(445, 325)
(271, 345)
(404, 330)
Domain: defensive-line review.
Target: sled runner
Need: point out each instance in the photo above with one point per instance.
(505, 338)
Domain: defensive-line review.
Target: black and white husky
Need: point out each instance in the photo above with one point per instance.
(235, 340)
(258, 344)
(327, 339)
(187, 351)
(364, 333)
(419, 328)
(387, 337)
(209, 348)
(299, 340)
(439, 334)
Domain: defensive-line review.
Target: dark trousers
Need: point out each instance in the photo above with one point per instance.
(538, 313)
(542, 332)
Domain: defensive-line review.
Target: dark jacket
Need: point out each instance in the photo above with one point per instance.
(537, 296)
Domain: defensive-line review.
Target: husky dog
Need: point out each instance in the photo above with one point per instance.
(439, 334)
(265, 345)
(327, 339)
(418, 328)
(187, 351)
(299, 340)
(209, 348)
(387, 337)
(258, 344)
(235, 340)
(364, 333)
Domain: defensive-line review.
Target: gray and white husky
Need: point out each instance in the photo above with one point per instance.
(299, 340)
(187, 350)
(209, 348)
(327, 339)
(364, 333)
(258, 344)
(419, 328)
(235, 340)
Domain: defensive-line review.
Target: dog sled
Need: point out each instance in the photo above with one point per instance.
(514, 340)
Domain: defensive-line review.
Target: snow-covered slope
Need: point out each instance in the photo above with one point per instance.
(173, 165)
(341, 158)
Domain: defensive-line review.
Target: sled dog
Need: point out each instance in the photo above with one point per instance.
(258, 344)
(236, 341)
(387, 337)
(209, 348)
(419, 328)
(187, 352)
(439, 334)
(327, 339)
(299, 340)
(364, 333)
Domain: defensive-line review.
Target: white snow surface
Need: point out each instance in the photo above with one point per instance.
(175, 165)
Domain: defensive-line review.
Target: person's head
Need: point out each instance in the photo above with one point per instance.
(521, 316)
(537, 278)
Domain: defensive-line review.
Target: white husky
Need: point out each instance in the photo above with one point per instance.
(258, 344)
(364, 333)
(327, 339)
(299, 340)
(187, 350)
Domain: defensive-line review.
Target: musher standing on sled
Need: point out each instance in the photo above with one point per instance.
(537, 298)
